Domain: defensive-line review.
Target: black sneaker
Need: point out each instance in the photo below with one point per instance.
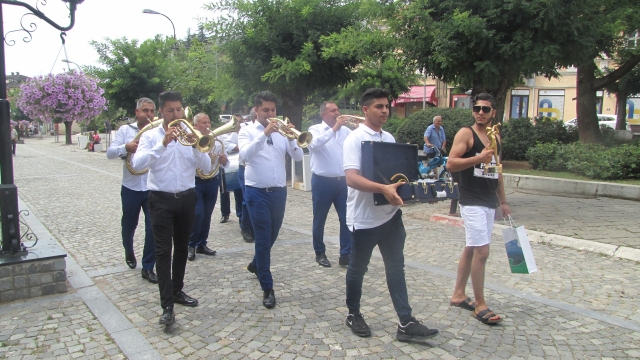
(358, 325)
(414, 331)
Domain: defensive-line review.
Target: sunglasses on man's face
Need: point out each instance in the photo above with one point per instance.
(485, 109)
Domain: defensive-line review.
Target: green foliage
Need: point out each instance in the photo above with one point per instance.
(521, 134)
(393, 124)
(591, 160)
(275, 45)
(133, 70)
(412, 130)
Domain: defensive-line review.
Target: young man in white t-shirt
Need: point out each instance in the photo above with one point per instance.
(376, 225)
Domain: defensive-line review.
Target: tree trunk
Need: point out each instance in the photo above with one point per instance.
(67, 132)
(292, 105)
(586, 108)
(621, 121)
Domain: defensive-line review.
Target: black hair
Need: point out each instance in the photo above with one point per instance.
(486, 97)
(169, 96)
(264, 96)
(372, 94)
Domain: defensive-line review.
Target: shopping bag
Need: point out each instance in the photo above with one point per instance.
(519, 252)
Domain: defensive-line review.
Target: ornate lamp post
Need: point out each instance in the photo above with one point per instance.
(153, 12)
(9, 213)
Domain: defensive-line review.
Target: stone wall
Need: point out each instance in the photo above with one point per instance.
(31, 279)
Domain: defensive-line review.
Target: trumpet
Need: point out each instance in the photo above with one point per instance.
(231, 126)
(352, 121)
(303, 138)
(203, 143)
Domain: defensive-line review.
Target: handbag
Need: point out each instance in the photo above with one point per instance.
(519, 254)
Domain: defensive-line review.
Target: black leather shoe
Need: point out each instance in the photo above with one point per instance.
(168, 316)
(224, 219)
(131, 261)
(192, 253)
(247, 236)
(184, 299)
(344, 261)
(322, 260)
(269, 300)
(150, 275)
(252, 269)
(205, 250)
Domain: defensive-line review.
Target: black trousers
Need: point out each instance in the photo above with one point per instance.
(172, 217)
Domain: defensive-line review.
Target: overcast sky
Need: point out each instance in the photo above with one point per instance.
(95, 20)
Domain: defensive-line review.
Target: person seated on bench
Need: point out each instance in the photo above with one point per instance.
(95, 139)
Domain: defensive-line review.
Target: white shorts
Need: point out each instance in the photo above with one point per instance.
(478, 224)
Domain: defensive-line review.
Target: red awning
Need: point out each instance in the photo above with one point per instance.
(416, 94)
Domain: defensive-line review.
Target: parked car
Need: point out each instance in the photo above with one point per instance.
(603, 119)
(225, 118)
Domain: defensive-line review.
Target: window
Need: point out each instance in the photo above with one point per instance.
(633, 39)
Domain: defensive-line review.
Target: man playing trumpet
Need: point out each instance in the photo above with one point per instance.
(134, 191)
(172, 199)
(328, 183)
(207, 192)
(263, 149)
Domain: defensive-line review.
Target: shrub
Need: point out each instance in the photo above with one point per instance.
(392, 124)
(521, 134)
(591, 160)
(412, 129)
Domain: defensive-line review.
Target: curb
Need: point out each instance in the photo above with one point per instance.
(620, 252)
(561, 187)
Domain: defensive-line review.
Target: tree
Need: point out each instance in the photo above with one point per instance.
(623, 88)
(133, 70)
(483, 45)
(65, 97)
(275, 44)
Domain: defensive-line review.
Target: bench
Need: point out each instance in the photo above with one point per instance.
(98, 147)
(635, 129)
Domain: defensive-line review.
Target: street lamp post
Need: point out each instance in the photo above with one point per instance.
(71, 62)
(9, 212)
(153, 12)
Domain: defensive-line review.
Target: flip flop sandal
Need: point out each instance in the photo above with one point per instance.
(485, 316)
(464, 304)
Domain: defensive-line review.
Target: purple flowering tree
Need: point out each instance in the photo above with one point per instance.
(65, 98)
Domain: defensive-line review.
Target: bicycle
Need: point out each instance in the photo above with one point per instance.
(434, 163)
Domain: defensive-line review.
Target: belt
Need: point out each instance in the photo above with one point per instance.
(174, 195)
(338, 178)
(270, 189)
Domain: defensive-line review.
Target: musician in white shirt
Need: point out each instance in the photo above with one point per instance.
(134, 192)
(263, 150)
(225, 199)
(172, 199)
(207, 192)
(328, 183)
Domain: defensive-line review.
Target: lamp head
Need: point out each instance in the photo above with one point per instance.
(149, 11)
(74, 1)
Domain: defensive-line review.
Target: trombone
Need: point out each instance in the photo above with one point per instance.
(303, 138)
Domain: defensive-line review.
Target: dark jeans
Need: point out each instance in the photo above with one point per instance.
(245, 219)
(225, 203)
(324, 192)
(207, 192)
(172, 219)
(390, 238)
(266, 207)
(132, 202)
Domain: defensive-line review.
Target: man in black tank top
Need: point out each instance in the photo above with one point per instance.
(480, 194)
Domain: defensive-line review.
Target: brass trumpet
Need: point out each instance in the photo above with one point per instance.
(303, 138)
(231, 126)
(352, 121)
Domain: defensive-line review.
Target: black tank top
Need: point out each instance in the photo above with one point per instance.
(476, 188)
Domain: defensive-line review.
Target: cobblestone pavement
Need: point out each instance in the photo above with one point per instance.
(578, 305)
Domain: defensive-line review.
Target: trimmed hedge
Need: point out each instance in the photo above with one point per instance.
(521, 134)
(413, 128)
(590, 160)
(393, 124)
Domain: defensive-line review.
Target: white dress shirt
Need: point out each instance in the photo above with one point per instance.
(171, 169)
(264, 163)
(116, 150)
(361, 212)
(326, 150)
